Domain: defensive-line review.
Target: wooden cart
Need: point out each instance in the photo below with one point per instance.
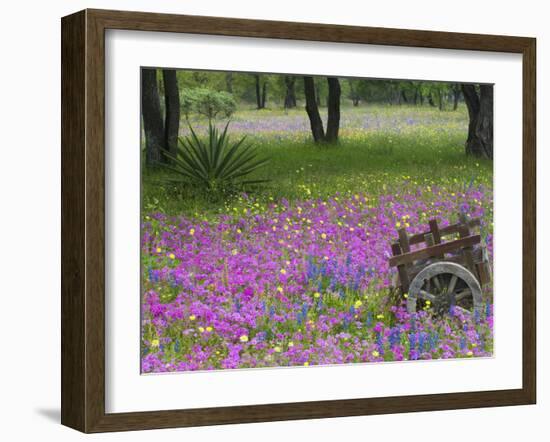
(442, 274)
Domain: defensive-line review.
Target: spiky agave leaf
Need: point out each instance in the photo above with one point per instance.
(215, 162)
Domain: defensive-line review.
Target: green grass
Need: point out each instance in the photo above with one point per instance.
(374, 160)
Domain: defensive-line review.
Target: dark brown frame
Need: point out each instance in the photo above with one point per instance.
(83, 217)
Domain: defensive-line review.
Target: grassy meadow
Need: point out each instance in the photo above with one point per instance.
(380, 147)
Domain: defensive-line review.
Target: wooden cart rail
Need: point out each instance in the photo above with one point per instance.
(434, 251)
(444, 231)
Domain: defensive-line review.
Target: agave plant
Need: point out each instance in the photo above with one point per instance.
(215, 162)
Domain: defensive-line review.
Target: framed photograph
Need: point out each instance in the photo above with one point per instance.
(267, 221)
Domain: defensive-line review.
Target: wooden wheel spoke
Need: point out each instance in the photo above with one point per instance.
(460, 296)
(437, 282)
(426, 296)
(452, 284)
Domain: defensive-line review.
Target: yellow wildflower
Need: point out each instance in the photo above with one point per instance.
(191, 232)
(159, 250)
(172, 256)
(209, 329)
(358, 304)
(375, 354)
(192, 317)
(283, 272)
(243, 338)
(316, 295)
(155, 343)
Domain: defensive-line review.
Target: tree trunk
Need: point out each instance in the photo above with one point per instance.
(354, 95)
(312, 110)
(264, 94)
(456, 96)
(290, 95)
(333, 121)
(484, 126)
(472, 103)
(172, 110)
(404, 96)
(152, 116)
(431, 100)
(258, 93)
(229, 82)
(440, 99)
(480, 127)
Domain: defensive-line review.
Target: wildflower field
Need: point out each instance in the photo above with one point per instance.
(295, 272)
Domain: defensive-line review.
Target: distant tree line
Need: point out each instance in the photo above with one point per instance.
(167, 94)
(278, 90)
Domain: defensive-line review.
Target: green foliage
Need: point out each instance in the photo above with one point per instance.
(396, 91)
(201, 79)
(241, 86)
(207, 102)
(214, 163)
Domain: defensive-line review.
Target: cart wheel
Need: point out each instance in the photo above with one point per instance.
(445, 284)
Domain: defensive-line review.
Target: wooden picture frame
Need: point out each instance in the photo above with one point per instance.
(83, 220)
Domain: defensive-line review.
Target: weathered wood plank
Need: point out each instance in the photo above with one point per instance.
(430, 252)
(468, 252)
(435, 233)
(429, 239)
(404, 240)
(396, 249)
(483, 273)
(402, 270)
(445, 231)
(434, 229)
